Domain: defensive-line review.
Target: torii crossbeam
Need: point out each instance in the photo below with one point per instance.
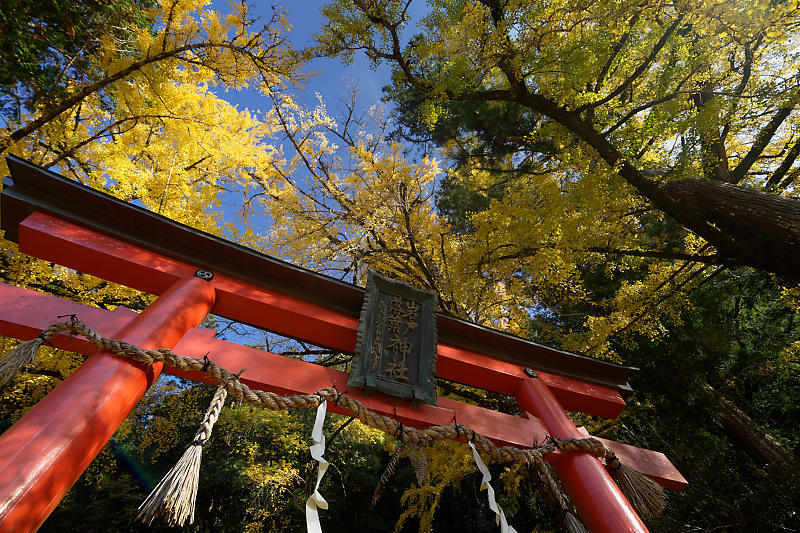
(61, 221)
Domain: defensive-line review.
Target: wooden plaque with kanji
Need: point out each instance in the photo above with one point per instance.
(396, 348)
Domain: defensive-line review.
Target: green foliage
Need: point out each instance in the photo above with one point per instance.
(448, 463)
(45, 43)
(255, 475)
(536, 107)
(563, 125)
(735, 337)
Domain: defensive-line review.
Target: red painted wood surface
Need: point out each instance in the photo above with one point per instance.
(601, 505)
(646, 462)
(477, 369)
(286, 376)
(91, 252)
(26, 313)
(45, 452)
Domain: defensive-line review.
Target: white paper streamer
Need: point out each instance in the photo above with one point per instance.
(487, 477)
(316, 501)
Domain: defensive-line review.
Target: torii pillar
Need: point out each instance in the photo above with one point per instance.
(596, 496)
(46, 451)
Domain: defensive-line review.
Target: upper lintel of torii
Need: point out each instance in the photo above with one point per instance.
(32, 188)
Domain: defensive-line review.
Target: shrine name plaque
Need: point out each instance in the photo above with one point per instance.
(396, 347)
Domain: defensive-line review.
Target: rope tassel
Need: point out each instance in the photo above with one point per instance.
(18, 358)
(174, 497)
(645, 495)
(573, 524)
(545, 471)
(24, 354)
(387, 475)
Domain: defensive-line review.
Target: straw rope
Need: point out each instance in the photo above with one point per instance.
(174, 497)
(571, 522)
(237, 389)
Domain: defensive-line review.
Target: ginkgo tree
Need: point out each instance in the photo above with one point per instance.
(139, 118)
(575, 127)
(147, 126)
(602, 121)
(608, 159)
(679, 102)
(348, 200)
(210, 49)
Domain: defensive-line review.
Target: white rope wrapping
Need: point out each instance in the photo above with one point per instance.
(315, 502)
(487, 477)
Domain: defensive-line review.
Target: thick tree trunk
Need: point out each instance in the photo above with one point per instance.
(748, 436)
(757, 229)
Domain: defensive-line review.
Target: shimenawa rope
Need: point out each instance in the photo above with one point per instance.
(645, 495)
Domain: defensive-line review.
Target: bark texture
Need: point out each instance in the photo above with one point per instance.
(748, 436)
(754, 228)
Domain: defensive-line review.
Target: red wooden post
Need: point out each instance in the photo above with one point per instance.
(44, 453)
(597, 498)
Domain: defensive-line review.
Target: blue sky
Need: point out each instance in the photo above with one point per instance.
(332, 79)
(332, 82)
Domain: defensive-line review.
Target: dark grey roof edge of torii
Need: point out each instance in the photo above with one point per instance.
(33, 188)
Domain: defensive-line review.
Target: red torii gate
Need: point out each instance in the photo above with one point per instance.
(44, 453)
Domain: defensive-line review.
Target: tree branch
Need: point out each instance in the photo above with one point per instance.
(783, 168)
(658, 254)
(762, 140)
(639, 70)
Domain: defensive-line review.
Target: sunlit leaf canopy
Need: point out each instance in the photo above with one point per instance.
(566, 119)
(608, 101)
